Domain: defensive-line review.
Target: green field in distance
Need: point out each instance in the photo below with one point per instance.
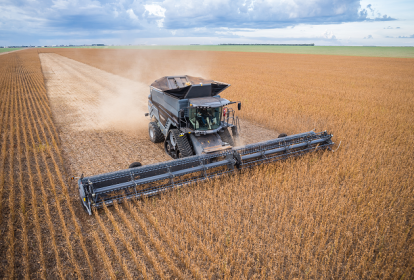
(403, 52)
(2, 50)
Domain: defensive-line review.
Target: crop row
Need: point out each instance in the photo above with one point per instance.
(40, 209)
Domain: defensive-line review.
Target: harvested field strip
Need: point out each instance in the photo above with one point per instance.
(85, 116)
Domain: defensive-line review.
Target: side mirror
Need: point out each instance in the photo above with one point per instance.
(239, 106)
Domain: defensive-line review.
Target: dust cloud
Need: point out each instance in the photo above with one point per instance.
(100, 117)
(109, 91)
(125, 109)
(100, 113)
(146, 66)
(109, 88)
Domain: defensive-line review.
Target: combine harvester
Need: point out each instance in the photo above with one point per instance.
(198, 129)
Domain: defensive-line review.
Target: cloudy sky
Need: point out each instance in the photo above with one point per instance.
(176, 22)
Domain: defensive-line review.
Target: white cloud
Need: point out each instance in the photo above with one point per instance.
(259, 13)
(329, 35)
(60, 4)
(155, 9)
(131, 14)
(160, 22)
(244, 21)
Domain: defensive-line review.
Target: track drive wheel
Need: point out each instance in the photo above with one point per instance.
(155, 133)
(226, 137)
(178, 146)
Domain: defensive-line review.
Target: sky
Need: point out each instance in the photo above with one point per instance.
(183, 22)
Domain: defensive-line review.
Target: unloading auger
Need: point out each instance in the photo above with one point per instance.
(193, 122)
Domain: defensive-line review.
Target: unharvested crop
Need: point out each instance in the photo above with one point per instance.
(342, 214)
(41, 235)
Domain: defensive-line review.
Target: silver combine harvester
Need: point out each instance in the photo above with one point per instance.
(198, 129)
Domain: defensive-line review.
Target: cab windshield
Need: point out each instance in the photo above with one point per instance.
(205, 118)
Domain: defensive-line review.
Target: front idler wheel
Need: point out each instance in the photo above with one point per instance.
(167, 147)
(170, 149)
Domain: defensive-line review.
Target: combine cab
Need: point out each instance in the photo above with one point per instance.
(198, 129)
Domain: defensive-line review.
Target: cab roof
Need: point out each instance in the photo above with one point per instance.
(208, 102)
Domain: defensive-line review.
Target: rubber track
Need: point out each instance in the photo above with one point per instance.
(183, 144)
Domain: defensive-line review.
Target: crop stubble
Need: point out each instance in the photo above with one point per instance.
(346, 214)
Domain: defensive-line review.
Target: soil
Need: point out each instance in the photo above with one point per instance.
(100, 117)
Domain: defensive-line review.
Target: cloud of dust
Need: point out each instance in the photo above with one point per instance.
(108, 89)
(146, 66)
(125, 109)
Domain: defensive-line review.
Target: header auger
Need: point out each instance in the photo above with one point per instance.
(194, 123)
